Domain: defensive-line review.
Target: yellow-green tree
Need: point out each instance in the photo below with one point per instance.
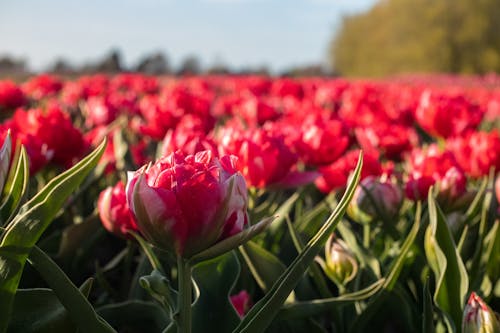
(407, 36)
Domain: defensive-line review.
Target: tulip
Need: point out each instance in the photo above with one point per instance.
(5, 153)
(114, 211)
(241, 302)
(339, 265)
(185, 204)
(264, 158)
(478, 317)
(375, 196)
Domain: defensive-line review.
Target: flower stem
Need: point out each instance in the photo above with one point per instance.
(366, 235)
(184, 296)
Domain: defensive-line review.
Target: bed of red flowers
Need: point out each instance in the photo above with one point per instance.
(133, 203)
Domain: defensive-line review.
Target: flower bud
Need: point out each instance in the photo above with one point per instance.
(114, 211)
(185, 204)
(374, 197)
(478, 317)
(340, 265)
(5, 153)
(241, 302)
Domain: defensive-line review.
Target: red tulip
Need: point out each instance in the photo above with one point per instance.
(263, 158)
(478, 317)
(114, 211)
(430, 166)
(185, 204)
(241, 302)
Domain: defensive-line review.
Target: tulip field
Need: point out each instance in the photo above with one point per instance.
(136, 204)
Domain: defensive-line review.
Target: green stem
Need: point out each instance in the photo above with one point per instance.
(366, 235)
(184, 296)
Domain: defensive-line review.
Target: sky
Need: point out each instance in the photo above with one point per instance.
(279, 34)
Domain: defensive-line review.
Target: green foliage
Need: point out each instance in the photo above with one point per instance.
(27, 227)
(398, 36)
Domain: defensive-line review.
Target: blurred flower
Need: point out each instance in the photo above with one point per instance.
(476, 152)
(11, 96)
(114, 211)
(335, 175)
(49, 136)
(374, 197)
(5, 156)
(429, 166)
(391, 140)
(322, 141)
(263, 157)
(42, 86)
(444, 114)
(99, 111)
(188, 141)
(340, 264)
(185, 204)
(241, 302)
(478, 317)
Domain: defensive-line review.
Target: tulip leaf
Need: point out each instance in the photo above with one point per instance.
(79, 308)
(283, 212)
(232, 242)
(26, 228)
(311, 308)
(390, 280)
(265, 267)
(476, 269)
(262, 313)
(212, 310)
(39, 310)
(15, 186)
(366, 259)
(449, 271)
(135, 316)
(148, 251)
(427, 313)
(492, 253)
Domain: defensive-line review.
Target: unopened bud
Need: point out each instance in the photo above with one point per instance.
(478, 317)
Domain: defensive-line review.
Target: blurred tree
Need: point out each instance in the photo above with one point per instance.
(397, 36)
(111, 63)
(10, 64)
(61, 66)
(190, 66)
(156, 63)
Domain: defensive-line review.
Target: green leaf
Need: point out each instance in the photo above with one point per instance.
(363, 321)
(283, 212)
(366, 259)
(232, 242)
(492, 253)
(262, 313)
(428, 313)
(449, 271)
(39, 310)
(27, 227)
(75, 234)
(265, 267)
(148, 251)
(79, 308)
(311, 308)
(15, 186)
(135, 316)
(213, 311)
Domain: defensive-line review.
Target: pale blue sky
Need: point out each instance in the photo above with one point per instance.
(277, 33)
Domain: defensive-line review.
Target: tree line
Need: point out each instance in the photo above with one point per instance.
(408, 36)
